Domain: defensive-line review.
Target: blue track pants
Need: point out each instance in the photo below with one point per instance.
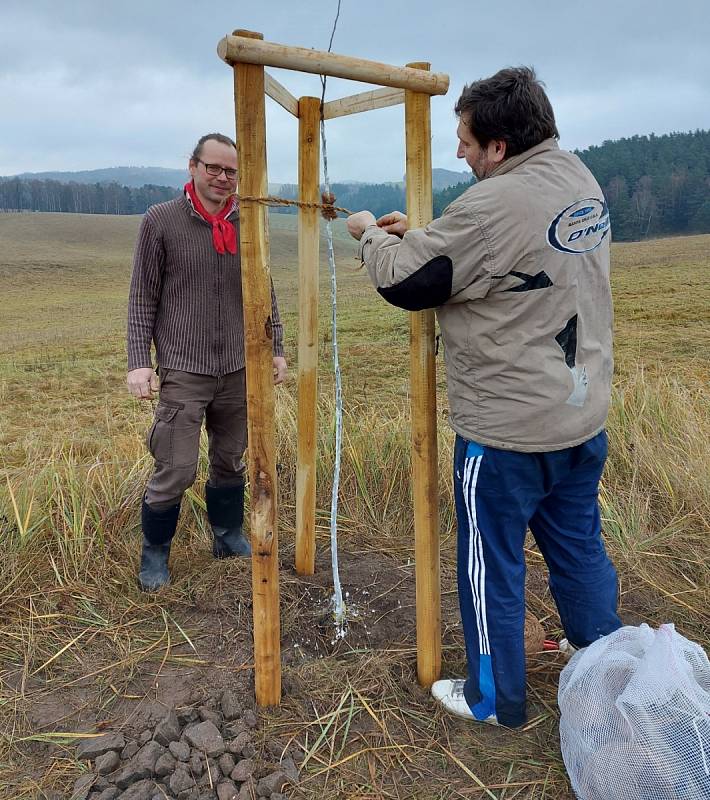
(499, 495)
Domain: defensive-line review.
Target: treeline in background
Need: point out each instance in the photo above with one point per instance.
(380, 198)
(30, 194)
(655, 186)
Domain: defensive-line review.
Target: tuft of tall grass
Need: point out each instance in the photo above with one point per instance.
(655, 495)
(70, 532)
(70, 527)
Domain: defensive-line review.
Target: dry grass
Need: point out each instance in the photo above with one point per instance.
(662, 301)
(74, 630)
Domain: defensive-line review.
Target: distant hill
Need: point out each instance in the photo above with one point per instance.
(133, 177)
(440, 179)
(380, 198)
(444, 178)
(654, 185)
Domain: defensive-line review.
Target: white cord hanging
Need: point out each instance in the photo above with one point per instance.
(339, 611)
(338, 604)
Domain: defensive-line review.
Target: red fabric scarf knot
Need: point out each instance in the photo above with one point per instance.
(224, 234)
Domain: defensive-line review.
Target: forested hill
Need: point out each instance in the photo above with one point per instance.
(23, 194)
(655, 185)
(380, 198)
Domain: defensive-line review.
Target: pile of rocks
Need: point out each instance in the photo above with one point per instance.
(191, 754)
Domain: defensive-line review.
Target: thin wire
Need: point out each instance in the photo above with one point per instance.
(339, 611)
(332, 33)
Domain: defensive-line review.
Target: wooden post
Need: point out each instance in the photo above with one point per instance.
(256, 291)
(417, 116)
(308, 241)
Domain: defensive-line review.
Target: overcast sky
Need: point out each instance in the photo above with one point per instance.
(96, 83)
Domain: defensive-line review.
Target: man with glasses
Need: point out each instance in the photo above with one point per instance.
(186, 298)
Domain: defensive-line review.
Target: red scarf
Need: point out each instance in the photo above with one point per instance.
(224, 235)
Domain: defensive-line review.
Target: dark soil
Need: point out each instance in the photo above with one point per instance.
(376, 659)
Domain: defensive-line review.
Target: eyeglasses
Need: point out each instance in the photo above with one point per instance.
(215, 170)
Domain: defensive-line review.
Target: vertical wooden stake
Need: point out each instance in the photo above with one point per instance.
(417, 114)
(256, 291)
(308, 242)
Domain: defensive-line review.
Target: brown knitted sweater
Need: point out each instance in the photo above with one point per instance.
(186, 297)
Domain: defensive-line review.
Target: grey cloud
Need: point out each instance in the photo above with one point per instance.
(86, 84)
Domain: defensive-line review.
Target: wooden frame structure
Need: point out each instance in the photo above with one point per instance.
(412, 85)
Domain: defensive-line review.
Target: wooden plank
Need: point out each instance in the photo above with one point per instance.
(365, 101)
(308, 252)
(417, 114)
(256, 290)
(240, 48)
(278, 92)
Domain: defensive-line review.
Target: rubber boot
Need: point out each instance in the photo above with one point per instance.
(158, 531)
(225, 511)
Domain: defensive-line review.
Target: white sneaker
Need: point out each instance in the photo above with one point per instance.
(567, 649)
(450, 694)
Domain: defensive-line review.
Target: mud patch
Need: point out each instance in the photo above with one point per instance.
(202, 652)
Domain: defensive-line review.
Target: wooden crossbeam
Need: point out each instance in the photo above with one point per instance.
(354, 104)
(278, 92)
(365, 101)
(240, 49)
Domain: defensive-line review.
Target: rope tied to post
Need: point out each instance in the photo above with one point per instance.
(327, 207)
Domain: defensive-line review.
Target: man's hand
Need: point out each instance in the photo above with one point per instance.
(280, 368)
(143, 383)
(358, 222)
(395, 222)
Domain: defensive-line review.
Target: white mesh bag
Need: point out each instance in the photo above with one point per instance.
(635, 717)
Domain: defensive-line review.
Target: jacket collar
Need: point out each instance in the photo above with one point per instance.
(515, 161)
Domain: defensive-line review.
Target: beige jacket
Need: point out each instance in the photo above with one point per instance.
(518, 271)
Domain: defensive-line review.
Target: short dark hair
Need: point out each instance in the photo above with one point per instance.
(218, 137)
(510, 105)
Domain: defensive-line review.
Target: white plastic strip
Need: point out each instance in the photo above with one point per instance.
(338, 604)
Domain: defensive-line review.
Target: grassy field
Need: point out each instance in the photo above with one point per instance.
(81, 649)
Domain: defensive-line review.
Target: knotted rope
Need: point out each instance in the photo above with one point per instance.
(328, 210)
